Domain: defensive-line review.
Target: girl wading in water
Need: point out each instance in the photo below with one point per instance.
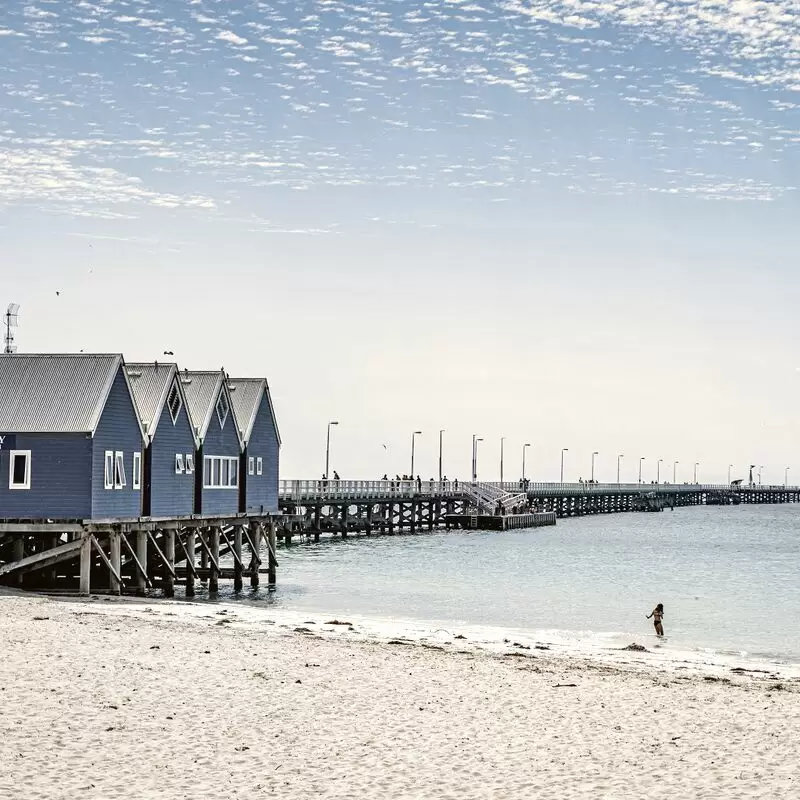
(657, 614)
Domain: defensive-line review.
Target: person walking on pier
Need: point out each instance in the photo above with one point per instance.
(657, 614)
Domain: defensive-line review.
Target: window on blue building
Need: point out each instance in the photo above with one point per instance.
(220, 472)
(136, 479)
(109, 469)
(119, 470)
(251, 466)
(189, 463)
(222, 408)
(20, 470)
(174, 402)
(179, 466)
(259, 466)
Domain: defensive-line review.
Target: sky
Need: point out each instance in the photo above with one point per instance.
(569, 223)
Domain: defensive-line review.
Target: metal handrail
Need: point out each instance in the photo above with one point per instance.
(334, 489)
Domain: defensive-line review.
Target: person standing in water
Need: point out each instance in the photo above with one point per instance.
(657, 614)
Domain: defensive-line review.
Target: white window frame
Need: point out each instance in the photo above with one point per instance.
(259, 466)
(13, 455)
(119, 470)
(180, 468)
(251, 465)
(189, 463)
(108, 468)
(136, 477)
(217, 467)
(174, 388)
(223, 398)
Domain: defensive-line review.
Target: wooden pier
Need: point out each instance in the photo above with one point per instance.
(133, 556)
(496, 522)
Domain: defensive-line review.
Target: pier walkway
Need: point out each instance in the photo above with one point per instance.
(342, 506)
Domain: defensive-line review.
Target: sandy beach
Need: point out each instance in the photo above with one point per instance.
(114, 698)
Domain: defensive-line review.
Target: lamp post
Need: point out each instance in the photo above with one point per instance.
(502, 441)
(527, 444)
(440, 454)
(413, 439)
(786, 477)
(658, 471)
(593, 455)
(563, 450)
(696, 465)
(328, 450)
(640, 468)
(619, 457)
(729, 473)
(759, 474)
(674, 469)
(475, 440)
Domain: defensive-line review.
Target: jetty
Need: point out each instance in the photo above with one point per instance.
(504, 522)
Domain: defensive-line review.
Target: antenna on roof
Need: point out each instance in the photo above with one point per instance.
(12, 320)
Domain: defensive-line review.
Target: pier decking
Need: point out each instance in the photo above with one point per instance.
(497, 522)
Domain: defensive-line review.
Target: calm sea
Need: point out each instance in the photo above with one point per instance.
(728, 579)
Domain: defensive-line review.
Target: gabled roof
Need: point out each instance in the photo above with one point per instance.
(54, 393)
(246, 394)
(151, 383)
(201, 390)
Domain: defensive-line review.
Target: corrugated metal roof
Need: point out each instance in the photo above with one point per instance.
(246, 397)
(46, 393)
(150, 384)
(200, 390)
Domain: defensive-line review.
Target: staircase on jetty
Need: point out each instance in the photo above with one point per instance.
(487, 498)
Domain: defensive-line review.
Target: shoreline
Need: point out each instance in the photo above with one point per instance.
(160, 699)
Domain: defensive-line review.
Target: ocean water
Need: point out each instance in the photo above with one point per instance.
(728, 578)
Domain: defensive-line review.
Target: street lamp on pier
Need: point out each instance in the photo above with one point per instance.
(730, 466)
(674, 469)
(759, 474)
(786, 477)
(328, 450)
(593, 455)
(475, 440)
(502, 442)
(527, 444)
(696, 465)
(619, 457)
(413, 440)
(440, 453)
(563, 450)
(658, 471)
(640, 468)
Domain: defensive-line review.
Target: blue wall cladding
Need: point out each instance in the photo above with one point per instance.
(118, 430)
(172, 494)
(221, 442)
(262, 490)
(61, 475)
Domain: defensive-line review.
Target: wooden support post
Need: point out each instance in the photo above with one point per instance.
(115, 550)
(255, 561)
(18, 552)
(169, 556)
(213, 580)
(272, 543)
(51, 541)
(86, 565)
(203, 555)
(237, 558)
(141, 555)
(190, 559)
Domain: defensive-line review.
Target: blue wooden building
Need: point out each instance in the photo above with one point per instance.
(219, 443)
(169, 456)
(71, 440)
(258, 483)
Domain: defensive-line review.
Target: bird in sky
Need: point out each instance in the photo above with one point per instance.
(168, 353)
(58, 294)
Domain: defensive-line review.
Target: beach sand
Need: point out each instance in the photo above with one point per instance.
(122, 699)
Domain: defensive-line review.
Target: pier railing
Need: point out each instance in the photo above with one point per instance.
(306, 490)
